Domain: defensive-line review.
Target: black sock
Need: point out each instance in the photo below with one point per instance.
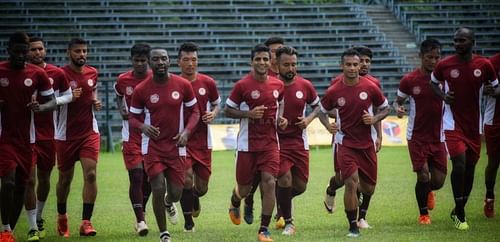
(351, 219)
(363, 208)
(490, 185)
(459, 208)
(457, 179)
(333, 186)
(422, 189)
(255, 185)
(235, 201)
(61, 208)
(264, 222)
(88, 209)
(285, 201)
(187, 206)
(146, 190)
(469, 180)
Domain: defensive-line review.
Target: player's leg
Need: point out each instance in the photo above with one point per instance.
(366, 188)
(422, 189)
(471, 158)
(490, 178)
(249, 200)
(62, 191)
(158, 188)
(136, 195)
(30, 206)
(89, 166)
(368, 177)
(7, 187)
(202, 173)
(187, 200)
(175, 183)
(146, 189)
(268, 190)
(351, 202)
(457, 179)
(245, 173)
(284, 197)
(45, 164)
(334, 183)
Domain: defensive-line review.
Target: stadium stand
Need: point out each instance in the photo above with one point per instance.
(225, 30)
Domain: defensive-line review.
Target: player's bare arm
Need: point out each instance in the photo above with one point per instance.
(282, 121)
(370, 119)
(325, 121)
(448, 97)
(255, 113)
(305, 121)
(36, 107)
(209, 116)
(97, 102)
(398, 105)
(77, 92)
(121, 107)
(182, 137)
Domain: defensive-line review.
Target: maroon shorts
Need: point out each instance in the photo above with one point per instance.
(70, 151)
(250, 163)
(432, 152)
(362, 160)
(457, 144)
(16, 156)
(297, 161)
(200, 161)
(174, 168)
(492, 138)
(132, 155)
(44, 154)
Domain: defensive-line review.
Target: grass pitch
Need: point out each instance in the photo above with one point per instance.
(393, 210)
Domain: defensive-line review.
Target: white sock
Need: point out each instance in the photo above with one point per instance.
(6, 227)
(32, 219)
(39, 210)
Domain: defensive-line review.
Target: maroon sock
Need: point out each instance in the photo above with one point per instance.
(285, 201)
(135, 193)
(187, 206)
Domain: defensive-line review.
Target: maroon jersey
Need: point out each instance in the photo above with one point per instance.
(17, 86)
(296, 97)
(425, 118)
(205, 89)
(367, 77)
(351, 102)
(76, 119)
(45, 121)
(248, 93)
(492, 112)
(466, 79)
(163, 107)
(273, 74)
(124, 88)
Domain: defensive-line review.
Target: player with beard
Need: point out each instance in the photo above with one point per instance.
(20, 84)
(462, 76)
(44, 150)
(77, 138)
(164, 99)
(139, 189)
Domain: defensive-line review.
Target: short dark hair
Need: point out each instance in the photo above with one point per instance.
(274, 40)
(259, 48)
(429, 45)
(36, 39)
(187, 47)
(469, 30)
(288, 50)
(363, 50)
(19, 38)
(349, 52)
(140, 49)
(76, 41)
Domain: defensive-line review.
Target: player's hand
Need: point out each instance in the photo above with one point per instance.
(208, 117)
(124, 113)
(367, 118)
(257, 112)
(303, 122)
(34, 105)
(150, 131)
(332, 128)
(400, 111)
(97, 105)
(378, 144)
(282, 122)
(77, 92)
(489, 89)
(182, 138)
(449, 97)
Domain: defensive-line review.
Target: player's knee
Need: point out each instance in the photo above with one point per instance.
(423, 176)
(90, 177)
(299, 189)
(351, 183)
(201, 190)
(188, 182)
(437, 183)
(174, 193)
(285, 180)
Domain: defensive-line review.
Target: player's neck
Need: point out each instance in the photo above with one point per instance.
(465, 57)
(76, 68)
(161, 79)
(189, 77)
(273, 68)
(42, 64)
(260, 77)
(288, 82)
(351, 81)
(139, 75)
(425, 71)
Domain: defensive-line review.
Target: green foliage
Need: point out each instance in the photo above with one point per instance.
(393, 211)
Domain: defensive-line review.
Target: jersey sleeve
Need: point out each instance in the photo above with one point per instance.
(119, 88)
(61, 81)
(189, 97)
(138, 102)
(44, 86)
(378, 98)
(213, 93)
(437, 74)
(404, 89)
(491, 76)
(328, 103)
(312, 95)
(236, 96)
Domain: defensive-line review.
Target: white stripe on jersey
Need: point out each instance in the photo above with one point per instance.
(216, 101)
(32, 128)
(304, 131)
(136, 110)
(47, 92)
(62, 122)
(145, 138)
(489, 112)
(182, 150)
(190, 103)
(448, 121)
(95, 127)
(243, 133)
(209, 131)
(231, 103)
(411, 118)
(125, 125)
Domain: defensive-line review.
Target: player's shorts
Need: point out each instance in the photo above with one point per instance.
(492, 138)
(132, 155)
(201, 162)
(457, 144)
(70, 151)
(174, 168)
(297, 161)
(16, 156)
(249, 163)
(423, 152)
(44, 154)
(362, 160)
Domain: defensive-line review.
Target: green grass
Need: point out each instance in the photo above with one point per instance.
(393, 211)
